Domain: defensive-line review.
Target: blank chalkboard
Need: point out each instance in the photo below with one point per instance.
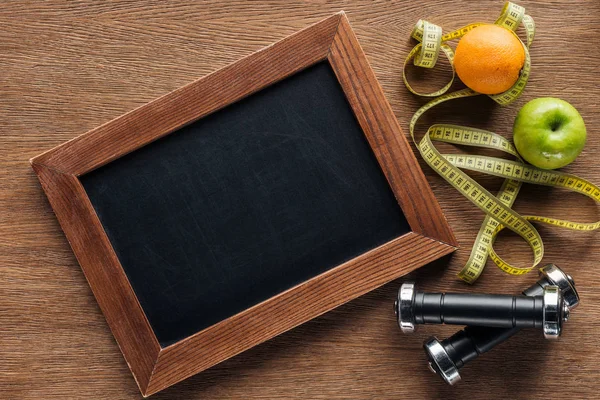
(245, 203)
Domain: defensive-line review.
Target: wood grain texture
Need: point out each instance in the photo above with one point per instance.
(156, 368)
(70, 66)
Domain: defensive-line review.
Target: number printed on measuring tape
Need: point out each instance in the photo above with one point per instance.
(497, 208)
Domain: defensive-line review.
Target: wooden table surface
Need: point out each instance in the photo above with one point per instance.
(68, 66)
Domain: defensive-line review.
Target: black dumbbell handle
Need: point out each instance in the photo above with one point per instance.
(491, 310)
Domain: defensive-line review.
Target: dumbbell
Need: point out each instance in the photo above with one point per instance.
(446, 357)
(546, 311)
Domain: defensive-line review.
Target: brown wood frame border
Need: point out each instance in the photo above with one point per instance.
(156, 368)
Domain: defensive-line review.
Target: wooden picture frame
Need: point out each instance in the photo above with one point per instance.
(155, 367)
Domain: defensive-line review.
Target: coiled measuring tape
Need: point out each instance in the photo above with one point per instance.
(499, 214)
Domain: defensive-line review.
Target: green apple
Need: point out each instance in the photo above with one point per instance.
(549, 132)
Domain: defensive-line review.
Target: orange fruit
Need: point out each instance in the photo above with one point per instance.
(489, 59)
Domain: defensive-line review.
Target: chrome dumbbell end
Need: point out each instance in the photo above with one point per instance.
(440, 361)
(403, 307)
(553, 275)
(555, 312)
(557, 305)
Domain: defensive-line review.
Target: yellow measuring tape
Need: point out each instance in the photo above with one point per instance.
(499, 214)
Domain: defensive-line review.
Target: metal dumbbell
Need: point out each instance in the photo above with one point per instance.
(546, 311)
(446, 357)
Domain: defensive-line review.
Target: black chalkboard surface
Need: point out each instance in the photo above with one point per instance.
(245, 203)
